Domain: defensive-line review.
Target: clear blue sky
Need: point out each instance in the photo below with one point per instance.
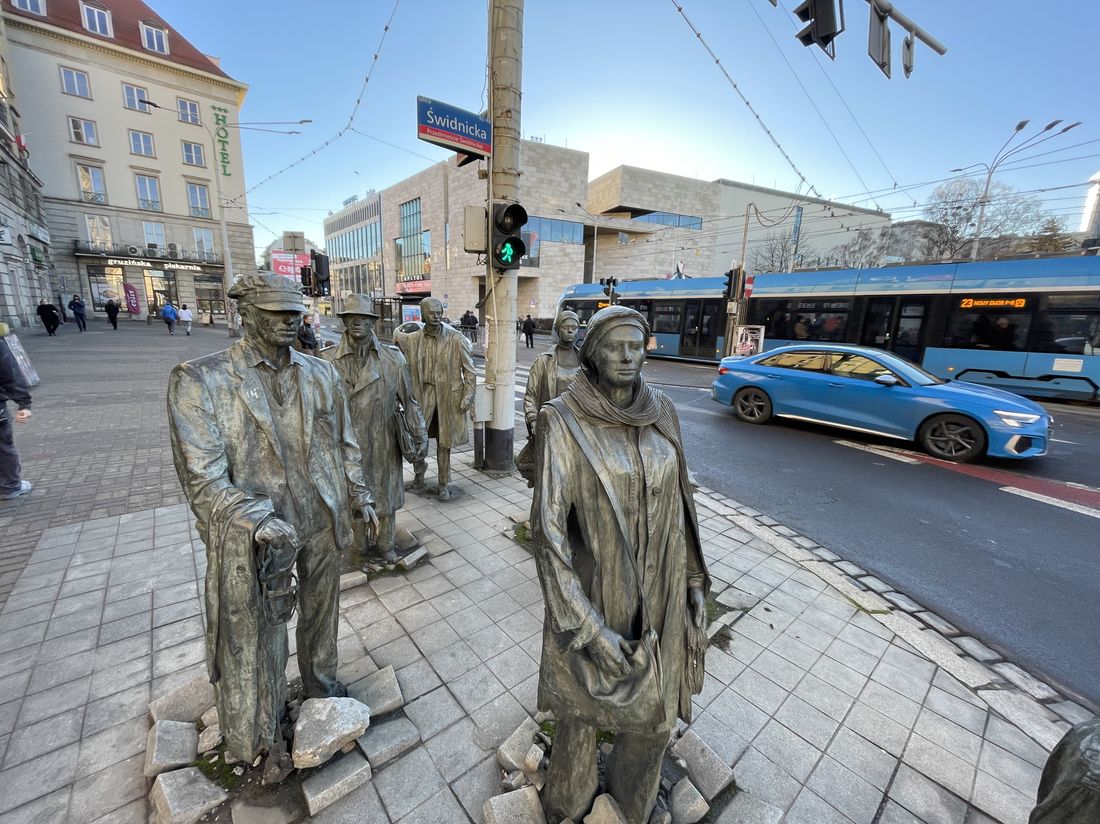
(628, 82)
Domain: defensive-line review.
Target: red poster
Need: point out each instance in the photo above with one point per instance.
(288, 263)
(133, 305)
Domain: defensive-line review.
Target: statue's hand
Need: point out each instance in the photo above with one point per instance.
(698, 604)
(464, 406)
(371, 520)
(281, 540)
(607, 651)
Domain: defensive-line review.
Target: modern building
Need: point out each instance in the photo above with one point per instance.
(406, 241)
(132, 132)
(24, 238)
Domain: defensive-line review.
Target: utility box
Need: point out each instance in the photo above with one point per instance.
(483, 401)
(475, 226)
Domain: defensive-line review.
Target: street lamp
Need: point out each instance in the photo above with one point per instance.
(229, 275)
(595, 234)
(1003, 154)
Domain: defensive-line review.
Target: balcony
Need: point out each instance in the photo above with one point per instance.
(200, 211)
(150, 205)
(94, 197)
(141, 250)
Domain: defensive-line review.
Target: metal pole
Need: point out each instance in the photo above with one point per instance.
(981, 214)
(228, 276)
(888, 8)
(505, 82)
(734, 318)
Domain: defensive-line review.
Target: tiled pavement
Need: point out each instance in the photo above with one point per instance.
(824, 713)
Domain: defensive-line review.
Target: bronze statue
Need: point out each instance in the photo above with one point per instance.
(379, 389)
(443, 382)
(551, 372)
(266, 453)
(1069, 791)
(622, 571)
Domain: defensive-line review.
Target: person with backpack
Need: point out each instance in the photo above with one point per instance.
(169, 314)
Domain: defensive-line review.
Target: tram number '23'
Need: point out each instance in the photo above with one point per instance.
(993, 303)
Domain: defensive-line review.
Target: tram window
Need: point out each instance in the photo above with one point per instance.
(641, 306)
(1075, 333)
(666, 317)
(997, 328)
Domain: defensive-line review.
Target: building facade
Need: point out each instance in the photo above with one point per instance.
(132, 133)
(353, 242)
(24, 239)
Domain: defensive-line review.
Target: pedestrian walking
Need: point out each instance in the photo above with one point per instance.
(529, 332)
(13, 387)
(51, 318)
(170, 315)
(185, 318)
(76, 306)
(469, 324)
(307, 337)
(112, 313)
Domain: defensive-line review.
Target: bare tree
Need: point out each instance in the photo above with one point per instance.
(773, 254)
(1051, 237)
(953, 210)
(867, 248)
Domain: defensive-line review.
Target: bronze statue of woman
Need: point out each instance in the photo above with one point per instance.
(623, 578)
(551, 372)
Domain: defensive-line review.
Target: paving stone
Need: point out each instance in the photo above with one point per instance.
(1003, 802)
(518, 807)
(925, 799)
(185, 703)
(902, 601)
(512, 753)
(441, 807)
(456, 749)
(98, 794)
(605, 810)
(183, 796)
(1010, 769)
(1025, 681)
(408, 782)
(877, 728)
(874, 584)
(718, 736)
(848, 568)
(169, 744)
(209, 738)
(1072, 712)
(477, 786)
(380, 691)
(709, 773)
(384, 742)
(782, 747)
(361, 806)
(247, 813)
(324, 726)
(937, 623)
(412, 559)
(845, 790)
(1010, 738)
(335, 780)
(434, 712)
(687, 803)
(955, 709)
(746, 808)
(114, 744)
(976, 649)
(737, 599)
(39, 738)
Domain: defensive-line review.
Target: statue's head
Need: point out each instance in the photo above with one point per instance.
(431, 312)
(566, 325)
(359, 316)
(614, 347)
(271, 308)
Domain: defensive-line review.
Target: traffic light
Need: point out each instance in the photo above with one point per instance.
(731, 283)
(306, 275)
(320, 264)
(609, 285)
(823, 23)
(507, 247)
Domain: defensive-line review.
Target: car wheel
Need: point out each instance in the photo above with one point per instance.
(752, 405)
(953, 438)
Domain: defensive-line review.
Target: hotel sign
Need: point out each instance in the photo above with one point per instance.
(145, 264)
(221, 137)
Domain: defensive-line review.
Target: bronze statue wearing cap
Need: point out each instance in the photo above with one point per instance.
(266, 453)
(379, 389)
(443, 379)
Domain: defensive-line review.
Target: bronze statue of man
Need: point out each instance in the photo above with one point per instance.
(266, 453)
(379, 389)
(620, 561)
(443, 381)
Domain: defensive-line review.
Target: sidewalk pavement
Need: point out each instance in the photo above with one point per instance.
(828, 702)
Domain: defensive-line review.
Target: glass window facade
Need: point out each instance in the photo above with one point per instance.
(188, 110)
(204, 241)
(198, 200)
(33, 6)
(154, 38)
(671, 219)
(539, 229)
(148, 192)
(75, 82)
(104, 284)
(154, 233)
(141, 143)
(413, 249)
(99, 229)
(135, 97)
(92, 187)
(193, 154)
(96, 20)
(358, 243)
(83, 131)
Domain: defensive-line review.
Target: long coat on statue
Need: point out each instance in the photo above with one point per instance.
(443, 383)
(228, 462)
(373, 395)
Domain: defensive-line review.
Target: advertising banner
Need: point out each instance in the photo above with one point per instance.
(289, 263)
(133, 303)
(750, 341)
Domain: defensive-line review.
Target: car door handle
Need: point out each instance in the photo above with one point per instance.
(837, 385)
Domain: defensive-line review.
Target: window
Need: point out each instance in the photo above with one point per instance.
(539, 229)
(135, 97)
(825, 320)
(999, 322)
(141, 143)
(859, 367)
(97, 19)
(666, 317)
(105, 283)
(148, 192)
(92, 188)
(154, 38)
(204, 241)
(188, 110)
(413, 248)
(154, 233)
(193, 154)
(33, 6)
(83, 131)
(671, 219)
(75, 82)
(804, 361)
(198, 198)
(99, 229)
(1067, 324)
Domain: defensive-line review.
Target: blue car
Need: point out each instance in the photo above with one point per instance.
(869, 390)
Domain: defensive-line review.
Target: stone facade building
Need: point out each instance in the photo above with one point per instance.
(132, 133)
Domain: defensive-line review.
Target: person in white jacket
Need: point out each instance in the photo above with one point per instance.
(185, 318)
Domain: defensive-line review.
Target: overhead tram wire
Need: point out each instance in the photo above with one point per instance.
(351, 118)
(809, 97)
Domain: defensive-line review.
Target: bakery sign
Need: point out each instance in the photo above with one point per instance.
(144, 264)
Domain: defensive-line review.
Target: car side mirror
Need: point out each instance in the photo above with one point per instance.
(886, 380)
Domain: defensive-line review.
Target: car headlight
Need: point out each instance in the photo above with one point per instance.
(1016, 419)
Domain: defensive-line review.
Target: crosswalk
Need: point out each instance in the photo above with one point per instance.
(522, 373)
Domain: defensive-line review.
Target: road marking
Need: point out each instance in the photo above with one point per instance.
(1056, 440)
(1085, 487)
(880, 451)
(1046, 499)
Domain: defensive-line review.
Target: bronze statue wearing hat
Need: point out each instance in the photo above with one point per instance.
(266, 453)
(443, 381)
(380, 398)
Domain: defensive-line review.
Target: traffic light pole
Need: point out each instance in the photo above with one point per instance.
(736, 293)
(502, 288)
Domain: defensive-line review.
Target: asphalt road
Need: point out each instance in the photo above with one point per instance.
(1021, 573)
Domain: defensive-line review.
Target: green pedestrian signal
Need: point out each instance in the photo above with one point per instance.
(507, 246)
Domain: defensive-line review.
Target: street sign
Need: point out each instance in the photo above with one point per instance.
(748, 285)
(453, 128)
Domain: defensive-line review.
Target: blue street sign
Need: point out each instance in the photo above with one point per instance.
(453, 128)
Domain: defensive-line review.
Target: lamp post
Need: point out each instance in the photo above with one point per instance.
(595, 236)
(1003, 154)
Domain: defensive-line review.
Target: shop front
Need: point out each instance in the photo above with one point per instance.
(143, 286)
